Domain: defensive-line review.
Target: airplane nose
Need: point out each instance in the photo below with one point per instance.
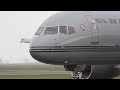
(42, 54)
(41, 48)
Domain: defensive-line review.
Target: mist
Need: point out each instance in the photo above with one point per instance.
(15, 25)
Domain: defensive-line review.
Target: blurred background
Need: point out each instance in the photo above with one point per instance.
(15, 25)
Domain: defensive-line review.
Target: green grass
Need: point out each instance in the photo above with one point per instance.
(48, 76)
(17, 68)
(117, 77)
(33, 67)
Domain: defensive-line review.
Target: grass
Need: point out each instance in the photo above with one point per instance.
(117, 77)
(46, 76)
(33, 67)
(17, 68)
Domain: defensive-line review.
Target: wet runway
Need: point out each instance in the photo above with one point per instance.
(33, 72)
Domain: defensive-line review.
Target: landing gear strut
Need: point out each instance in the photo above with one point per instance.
(77, 70)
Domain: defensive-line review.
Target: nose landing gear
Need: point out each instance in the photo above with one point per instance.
(79, 71)
(77, 75)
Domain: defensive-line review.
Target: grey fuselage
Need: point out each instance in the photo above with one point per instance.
(96, 39)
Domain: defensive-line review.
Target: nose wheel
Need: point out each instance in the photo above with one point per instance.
(77, 75)
(79, 71)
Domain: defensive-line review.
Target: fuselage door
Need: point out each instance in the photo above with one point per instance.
(94, 29)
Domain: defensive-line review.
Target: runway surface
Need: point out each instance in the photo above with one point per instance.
(33, 72)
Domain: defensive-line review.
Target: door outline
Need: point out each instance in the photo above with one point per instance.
(94, 29)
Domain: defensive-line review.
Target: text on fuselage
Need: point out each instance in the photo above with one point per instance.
(107, 21)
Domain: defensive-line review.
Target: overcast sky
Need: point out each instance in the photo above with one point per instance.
(15, 25)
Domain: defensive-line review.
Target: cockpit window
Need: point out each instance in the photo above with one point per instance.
(51, 30)
(39, 31)
(63, 29)
(71, 30)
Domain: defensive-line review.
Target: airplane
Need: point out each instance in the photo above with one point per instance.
(87, 43)
(25, 40)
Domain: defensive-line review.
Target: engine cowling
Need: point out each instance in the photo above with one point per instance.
(96, 71)
(101, 72)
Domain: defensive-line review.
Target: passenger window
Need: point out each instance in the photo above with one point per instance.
(71, 30)
(63, 29)
(39, 31)
(51, 30)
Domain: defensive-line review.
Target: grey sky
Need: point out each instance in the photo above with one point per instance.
(15, 25)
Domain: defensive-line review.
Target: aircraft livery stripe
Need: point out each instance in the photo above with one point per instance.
(78, 49)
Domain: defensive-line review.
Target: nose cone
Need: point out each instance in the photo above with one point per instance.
(41, 48)
(44, 55)
(38, 55)
(37, 49)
